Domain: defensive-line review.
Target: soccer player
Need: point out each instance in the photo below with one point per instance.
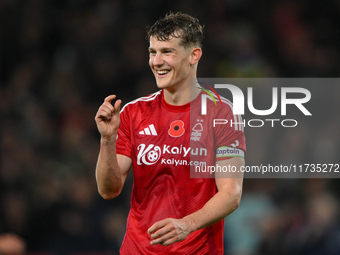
(170, 213)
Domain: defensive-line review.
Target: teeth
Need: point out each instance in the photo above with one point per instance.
(162, 72)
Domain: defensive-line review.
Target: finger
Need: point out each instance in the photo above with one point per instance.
(108, 109)
(158, 225)
(164, 240)
(171, 241)
(109, 98)
(104, 113)
(117, 106)
(162, 231)
(109, 106)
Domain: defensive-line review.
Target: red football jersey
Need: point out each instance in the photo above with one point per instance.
(164, 141)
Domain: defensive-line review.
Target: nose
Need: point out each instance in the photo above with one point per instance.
(158, 60)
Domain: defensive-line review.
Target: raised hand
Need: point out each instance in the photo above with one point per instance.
(108, 117)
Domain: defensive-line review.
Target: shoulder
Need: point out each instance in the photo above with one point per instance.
(142, 103)
(217, 103)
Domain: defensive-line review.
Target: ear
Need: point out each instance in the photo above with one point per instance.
(195, 55)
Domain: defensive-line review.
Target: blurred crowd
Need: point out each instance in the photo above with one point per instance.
(60, 58)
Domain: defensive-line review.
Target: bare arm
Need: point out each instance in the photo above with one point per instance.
(112, 169)
(224, 202)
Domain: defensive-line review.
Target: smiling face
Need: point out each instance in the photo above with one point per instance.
(171, 63)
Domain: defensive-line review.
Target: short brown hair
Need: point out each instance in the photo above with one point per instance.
(178, 25)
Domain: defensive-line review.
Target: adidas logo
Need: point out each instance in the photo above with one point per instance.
(150, 130)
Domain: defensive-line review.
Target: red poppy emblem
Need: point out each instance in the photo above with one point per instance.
(176, 128)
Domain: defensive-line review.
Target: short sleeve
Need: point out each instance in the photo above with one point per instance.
(229, 134)
(124, 145)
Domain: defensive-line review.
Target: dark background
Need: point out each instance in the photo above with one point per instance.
(59, 59)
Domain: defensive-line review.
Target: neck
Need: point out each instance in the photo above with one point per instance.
(179, 96)
(182, 94)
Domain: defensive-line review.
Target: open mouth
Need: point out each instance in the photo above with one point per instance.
(162, 73)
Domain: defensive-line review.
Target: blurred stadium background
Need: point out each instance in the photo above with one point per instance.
(60, 58)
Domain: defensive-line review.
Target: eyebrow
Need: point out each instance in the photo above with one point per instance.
(163, 49)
